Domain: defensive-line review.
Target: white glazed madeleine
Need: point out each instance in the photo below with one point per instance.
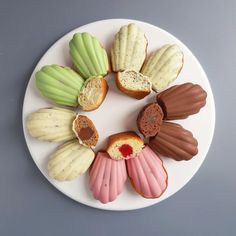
(133, 84)
(51, 124)
(93, 93)
(129, 49)
(69, 161)
(124, 145)
(163, 66)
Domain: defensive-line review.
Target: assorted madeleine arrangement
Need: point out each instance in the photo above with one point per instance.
(126, 154)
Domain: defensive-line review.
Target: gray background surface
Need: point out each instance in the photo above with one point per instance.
(30, 205)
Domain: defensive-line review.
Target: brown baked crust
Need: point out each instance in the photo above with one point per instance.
(123, 136)
(138, 94)
(85, 131)
(104, 89)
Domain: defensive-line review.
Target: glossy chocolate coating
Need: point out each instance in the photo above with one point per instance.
(180, 101)
(175, 142)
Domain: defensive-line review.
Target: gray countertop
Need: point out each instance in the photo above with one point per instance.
(30, 205)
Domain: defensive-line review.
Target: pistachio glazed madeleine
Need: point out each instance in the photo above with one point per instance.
(129, 49)
(163, 66)
(69, 161)
(51, 124)
(59, 84)
(88, 56)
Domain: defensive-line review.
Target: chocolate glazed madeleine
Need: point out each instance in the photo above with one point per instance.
(175, 142)
(180, 101)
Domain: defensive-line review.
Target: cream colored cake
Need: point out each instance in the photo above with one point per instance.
(93, 93)
(124, 145)
(133, 84)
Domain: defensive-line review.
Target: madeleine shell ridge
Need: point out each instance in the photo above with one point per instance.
(88, 56)
(69, 161)
(51, 124)
(107, 177)
(60, 85)
(175, 142)
(147, 174)
(129, 48)
(180, 101)
(163, 66)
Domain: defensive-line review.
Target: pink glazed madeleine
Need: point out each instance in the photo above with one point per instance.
(147, 174)
(107, 177)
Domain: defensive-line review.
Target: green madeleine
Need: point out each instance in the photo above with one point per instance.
(59, 84)
(88, 56)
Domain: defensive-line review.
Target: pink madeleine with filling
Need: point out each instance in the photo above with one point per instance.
(107, 177)
(147, 173)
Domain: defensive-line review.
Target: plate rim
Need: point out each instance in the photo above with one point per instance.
(212, 100)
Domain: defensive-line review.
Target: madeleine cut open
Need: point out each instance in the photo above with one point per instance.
(93, 93)
(124, 145)
(133, 84)
(85, 131)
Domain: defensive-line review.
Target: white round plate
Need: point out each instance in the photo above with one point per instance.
(119, 112)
